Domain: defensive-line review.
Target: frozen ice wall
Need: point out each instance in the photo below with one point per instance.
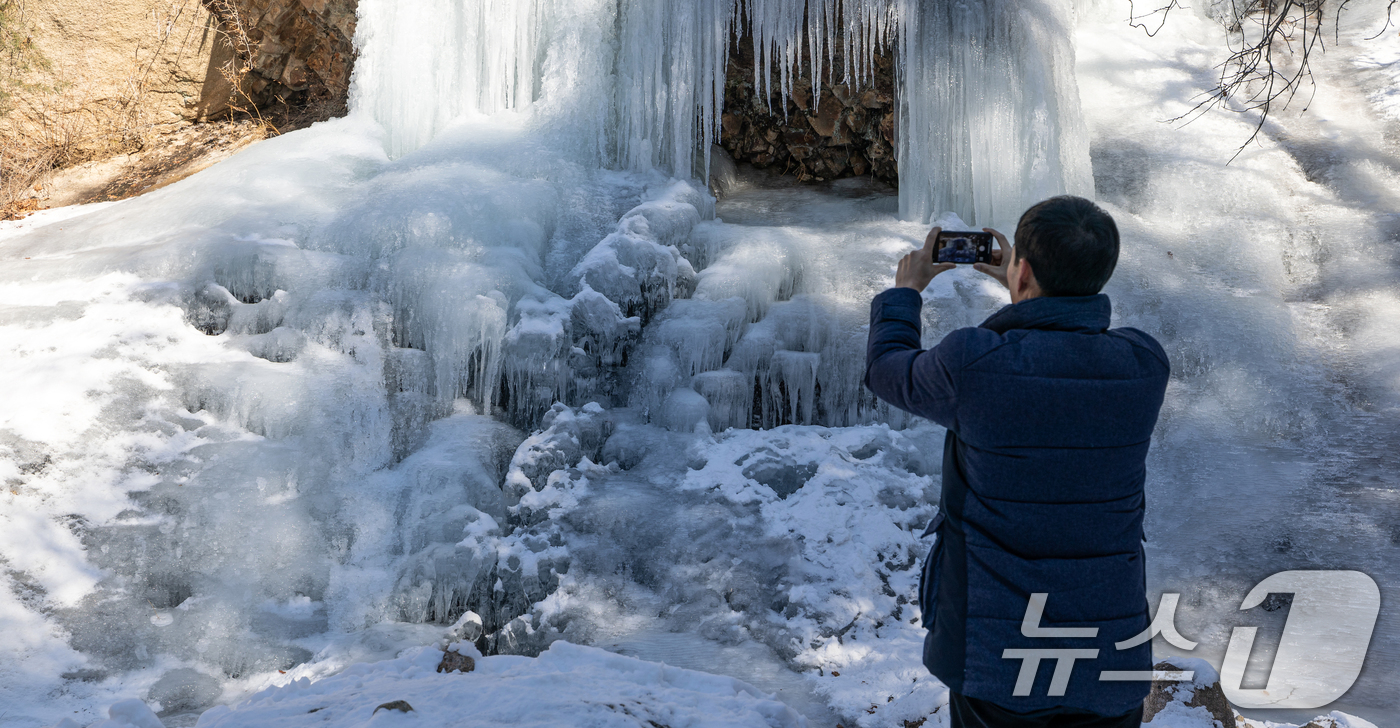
(989, 122)
(988, 114)
(642, 81)
(424, 64)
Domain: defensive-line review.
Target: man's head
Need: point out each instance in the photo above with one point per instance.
(1070, 243)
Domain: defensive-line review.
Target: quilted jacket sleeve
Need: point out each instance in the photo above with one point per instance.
(918, 381)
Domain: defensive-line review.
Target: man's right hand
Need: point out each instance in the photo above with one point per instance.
(1001, 259)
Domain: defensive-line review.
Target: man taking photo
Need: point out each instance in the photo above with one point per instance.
(1037, 575)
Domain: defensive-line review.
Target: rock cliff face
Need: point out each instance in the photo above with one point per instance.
(127, 62)
(283, 54)
(850, 133)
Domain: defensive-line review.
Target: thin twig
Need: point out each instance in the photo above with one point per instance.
(1165, 10)
(1389, 8)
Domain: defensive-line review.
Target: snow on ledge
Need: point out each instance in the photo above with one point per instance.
(568, 685)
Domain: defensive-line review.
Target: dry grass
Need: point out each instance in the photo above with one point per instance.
(52, 123)
(49, 123)
(233, 34)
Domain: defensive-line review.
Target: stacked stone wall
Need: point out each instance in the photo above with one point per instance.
(848, 132)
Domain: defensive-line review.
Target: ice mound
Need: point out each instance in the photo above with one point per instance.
(232, 400)
(774, 333)
(802, 539)
(573, 350)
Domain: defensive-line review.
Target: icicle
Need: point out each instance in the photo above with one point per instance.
(790, 392)
(701, 333)
(670, 69)
(699, 342)
(730, 395)
(537, 348)
(667, 73)
(450, 309)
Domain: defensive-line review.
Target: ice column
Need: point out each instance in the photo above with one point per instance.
(778, 28)
(670, 81)
(988, 109)
(424, 63)
(790, 392)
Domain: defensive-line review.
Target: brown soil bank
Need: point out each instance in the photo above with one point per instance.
(105, 100)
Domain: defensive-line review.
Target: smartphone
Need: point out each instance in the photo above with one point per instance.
(958, 246)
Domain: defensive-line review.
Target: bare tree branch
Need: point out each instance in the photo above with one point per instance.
(1272, 42)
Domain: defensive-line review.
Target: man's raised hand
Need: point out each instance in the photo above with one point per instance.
(1001, 259)
(917, 268)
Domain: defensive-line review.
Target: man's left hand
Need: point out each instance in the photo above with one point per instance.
(917, 268)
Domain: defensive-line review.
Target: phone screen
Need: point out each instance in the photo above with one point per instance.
(956, 246)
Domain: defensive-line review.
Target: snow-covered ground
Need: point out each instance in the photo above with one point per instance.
(1278, 304)
(268, 432)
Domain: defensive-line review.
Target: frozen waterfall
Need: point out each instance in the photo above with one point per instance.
(490, 346)
(988, 106)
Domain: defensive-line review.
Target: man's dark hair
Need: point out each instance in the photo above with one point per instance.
(1071, 243)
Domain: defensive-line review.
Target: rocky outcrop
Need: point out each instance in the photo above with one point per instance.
(453, 661)
(280, 55)
(821, 131)
(82, 69)
(1173, 700)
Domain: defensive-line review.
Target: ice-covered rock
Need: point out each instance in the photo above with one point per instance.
(639, 267)
(565, 351)
(684, 409)
(566, 437)
(184, 689)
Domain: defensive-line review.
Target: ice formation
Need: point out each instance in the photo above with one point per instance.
(487, 348)
(988, 105)
(989, 114)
